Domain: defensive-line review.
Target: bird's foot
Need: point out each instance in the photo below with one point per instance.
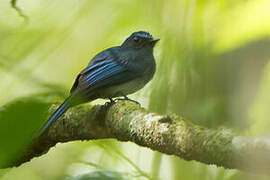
(126, 98)
(110, 103)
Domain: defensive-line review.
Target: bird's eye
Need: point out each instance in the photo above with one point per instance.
(136, 39)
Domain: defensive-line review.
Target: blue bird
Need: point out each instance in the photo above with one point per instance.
(114, 72)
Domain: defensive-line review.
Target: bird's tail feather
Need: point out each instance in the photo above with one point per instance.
(61, 110)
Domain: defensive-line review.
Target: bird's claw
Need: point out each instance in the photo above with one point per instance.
(126, 98)
(120, 99)
(110, 102)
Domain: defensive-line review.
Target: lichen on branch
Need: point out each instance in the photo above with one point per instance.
(127, 121)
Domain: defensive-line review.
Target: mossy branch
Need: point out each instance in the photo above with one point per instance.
(127, 121)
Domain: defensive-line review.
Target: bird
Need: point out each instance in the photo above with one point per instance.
(115, 72)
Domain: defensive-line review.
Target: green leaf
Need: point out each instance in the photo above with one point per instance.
(20, 120)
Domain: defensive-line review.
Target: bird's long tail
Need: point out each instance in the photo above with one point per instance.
(61, 110)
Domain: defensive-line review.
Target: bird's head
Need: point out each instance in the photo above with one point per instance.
(140, 39)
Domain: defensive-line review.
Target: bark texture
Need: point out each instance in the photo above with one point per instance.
(127, 121)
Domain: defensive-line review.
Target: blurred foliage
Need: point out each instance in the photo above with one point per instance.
(212, 68)
(20, 121)
(99, 175)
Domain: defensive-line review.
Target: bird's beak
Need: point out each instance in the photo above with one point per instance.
(154, 41)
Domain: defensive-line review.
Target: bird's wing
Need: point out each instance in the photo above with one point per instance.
(105, 72)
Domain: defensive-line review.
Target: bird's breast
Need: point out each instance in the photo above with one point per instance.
(126, 88)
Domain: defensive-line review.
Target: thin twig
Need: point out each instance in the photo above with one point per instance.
(18, 10)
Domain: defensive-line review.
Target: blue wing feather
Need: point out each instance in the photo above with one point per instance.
(90, 68)
(99, 72)
(103, 70)
(112, 72)
(96, 65)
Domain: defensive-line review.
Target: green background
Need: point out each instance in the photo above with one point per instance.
(212, 68)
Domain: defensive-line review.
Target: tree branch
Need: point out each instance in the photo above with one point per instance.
(173, 135)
